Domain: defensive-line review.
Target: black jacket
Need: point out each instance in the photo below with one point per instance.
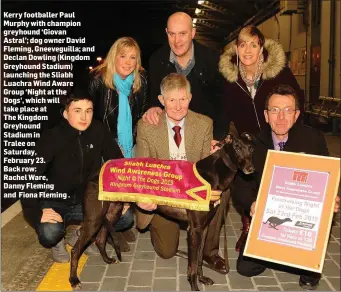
(106, 103)
(204, 78)
(71, 157)
(301, 139)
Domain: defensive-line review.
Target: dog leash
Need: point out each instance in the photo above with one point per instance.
(224, 201)
(221, 141)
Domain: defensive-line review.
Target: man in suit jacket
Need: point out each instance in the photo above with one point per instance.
(159, 141)
(281, 113)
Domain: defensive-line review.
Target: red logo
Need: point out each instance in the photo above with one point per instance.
(300, 176)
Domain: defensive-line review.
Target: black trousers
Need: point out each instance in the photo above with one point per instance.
(250, 267)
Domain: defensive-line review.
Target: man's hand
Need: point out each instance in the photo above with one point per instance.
(253, 209)
(337, 206)
(214, 148)
(147, 206)
(151, 116)
(50, 216)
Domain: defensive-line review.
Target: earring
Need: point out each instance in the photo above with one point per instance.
(237, 61)
(261, 51)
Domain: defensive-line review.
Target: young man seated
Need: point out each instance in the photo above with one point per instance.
(71, 153)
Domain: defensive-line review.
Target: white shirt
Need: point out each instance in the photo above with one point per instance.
(175, 152)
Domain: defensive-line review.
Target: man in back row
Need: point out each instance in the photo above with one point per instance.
(281, 113)
(185, 56)
(198, 63)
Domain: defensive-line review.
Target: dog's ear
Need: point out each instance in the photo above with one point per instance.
(233, 130)
(249, 136)
(229, 139)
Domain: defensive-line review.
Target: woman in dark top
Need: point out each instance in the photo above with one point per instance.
(118, 87)
(252, 66)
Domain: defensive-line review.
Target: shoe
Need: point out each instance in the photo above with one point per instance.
(59, 253)
(216, 263)
(124, 246)
(245, 230)
(72, 239)
(129, 235)
(309, 282)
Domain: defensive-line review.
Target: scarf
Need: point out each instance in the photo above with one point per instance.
(124, 121)
(255, 77)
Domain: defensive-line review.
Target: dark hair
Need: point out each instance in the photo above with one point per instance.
(283, 89)
(76, 94)
(252, 31)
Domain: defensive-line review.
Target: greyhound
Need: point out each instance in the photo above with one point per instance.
(218, 169)
(275, 221)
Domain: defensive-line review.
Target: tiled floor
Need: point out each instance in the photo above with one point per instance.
(142, 270)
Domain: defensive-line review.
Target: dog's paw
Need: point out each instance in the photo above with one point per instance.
(206, 281)
(77, 287)
(75, 283)
(111, 261)
(114, 261)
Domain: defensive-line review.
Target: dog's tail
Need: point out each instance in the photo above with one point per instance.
(114, 238)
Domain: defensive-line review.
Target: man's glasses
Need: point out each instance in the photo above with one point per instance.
(277, 110)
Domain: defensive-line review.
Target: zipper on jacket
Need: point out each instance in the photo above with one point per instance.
(253, 102)
(254, 107)
(82, 156)
(106, 109)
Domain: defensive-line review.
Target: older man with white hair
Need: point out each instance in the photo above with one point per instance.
(180, 134)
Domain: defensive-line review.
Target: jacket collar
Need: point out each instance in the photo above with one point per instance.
(165, 51)
(265, 136)
(72, 131)
(189, 136)
(274, 61)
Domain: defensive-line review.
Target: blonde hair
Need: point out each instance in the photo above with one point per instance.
(174, 81)
(248, 32)
(107, 69)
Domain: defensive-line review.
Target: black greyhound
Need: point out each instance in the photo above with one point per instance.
(218, 169)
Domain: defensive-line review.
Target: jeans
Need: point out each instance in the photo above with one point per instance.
(49, 234)
(125, 222)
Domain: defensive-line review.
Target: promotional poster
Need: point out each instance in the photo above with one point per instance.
(122, 99)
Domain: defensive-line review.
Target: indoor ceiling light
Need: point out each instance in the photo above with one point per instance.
(214, 7)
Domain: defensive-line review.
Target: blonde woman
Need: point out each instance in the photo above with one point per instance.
(118, 87)
(119, 90)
